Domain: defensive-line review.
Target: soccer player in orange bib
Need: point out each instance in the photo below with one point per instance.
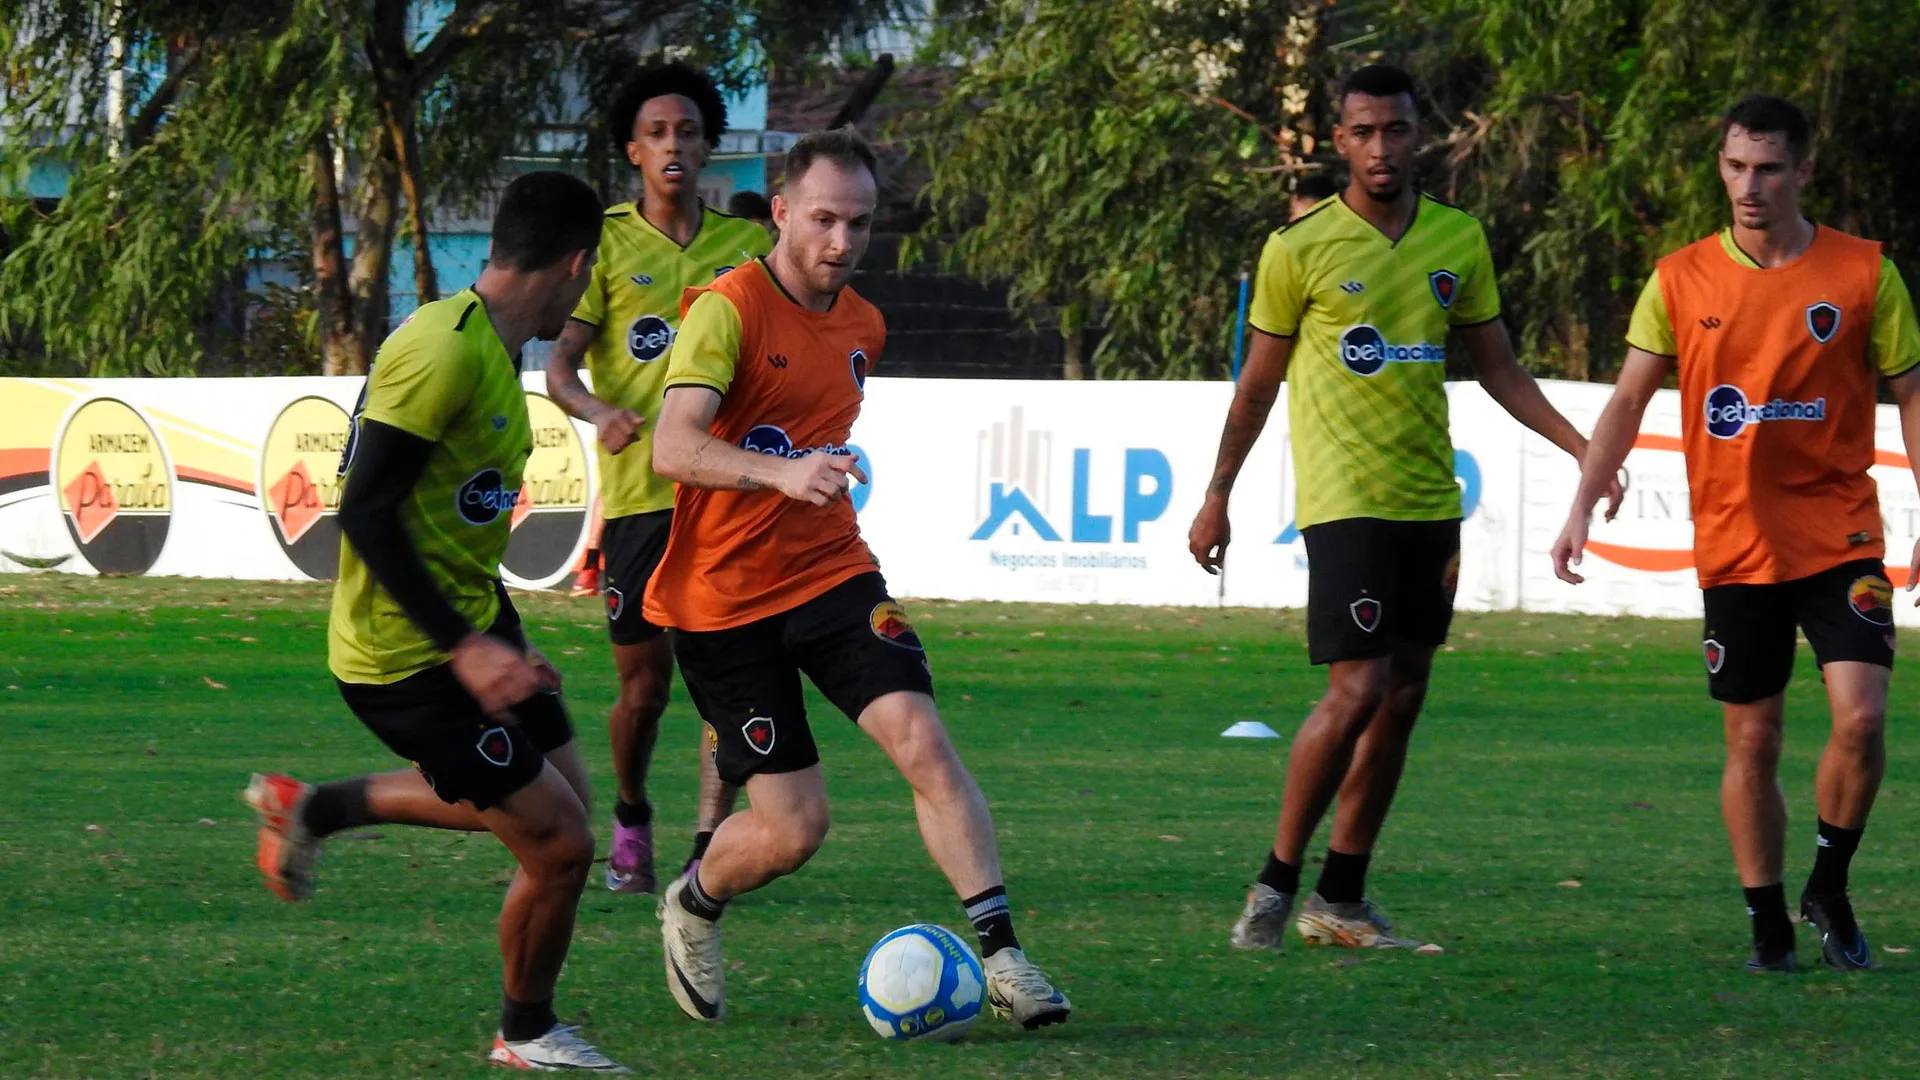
(765, 577)
(1778, 328)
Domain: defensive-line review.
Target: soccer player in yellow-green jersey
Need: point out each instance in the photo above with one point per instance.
(1353, 305)
(423, 642)
(668, 117)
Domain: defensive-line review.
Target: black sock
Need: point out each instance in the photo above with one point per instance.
(336, 806)
(701, 840)
(697, 903)
(1343, 880)
(631, 816)
(1772, 932)
(1280, 877)
(523, 1020)
(992, 919)
(1832, 858)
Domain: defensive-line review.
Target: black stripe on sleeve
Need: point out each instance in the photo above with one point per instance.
(387, 463)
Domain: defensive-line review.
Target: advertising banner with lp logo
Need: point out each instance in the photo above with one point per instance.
(114, 486)
(550, 518)
(300, 476)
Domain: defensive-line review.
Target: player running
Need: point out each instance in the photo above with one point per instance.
(766, 576)
(1352, 306)
(669, 117)
(1778, 328)
(432, 472)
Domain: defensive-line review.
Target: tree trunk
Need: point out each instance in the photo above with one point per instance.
(337, 355)
(393, 70)
(1073, 360)
(373, 252)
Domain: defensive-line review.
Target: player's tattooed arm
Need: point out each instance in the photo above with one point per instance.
(617, 427)
(686, 452)
(1253, 397)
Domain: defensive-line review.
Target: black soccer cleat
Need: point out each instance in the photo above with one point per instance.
(1780, 964)
(1842, 946)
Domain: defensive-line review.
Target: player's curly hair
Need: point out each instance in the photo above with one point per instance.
(663, 80)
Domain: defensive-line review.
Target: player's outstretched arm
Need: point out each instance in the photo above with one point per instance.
(685, 452)
(1253, 398)
(617, 427)
(1613, 436)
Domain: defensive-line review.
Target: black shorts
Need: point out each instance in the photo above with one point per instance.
(1374, 586)
(630, 550)
(430, 719)
(1847, 613)
(853, 642)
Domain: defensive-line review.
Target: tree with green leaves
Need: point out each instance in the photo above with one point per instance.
(1120, 163)
(195, 138)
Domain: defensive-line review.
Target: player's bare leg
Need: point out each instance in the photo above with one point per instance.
(1338, 912)
(646, 675)
(1322, 751)
(715, 803)
(1756, 816)
(783, 825)
(1851, 767)
(957, 828)
(545, 826)
(293, 826)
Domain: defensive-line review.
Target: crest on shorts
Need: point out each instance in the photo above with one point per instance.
(1445, 284)
(889, 622)
(1871, 598)
(495, 747)
(616, 603)
(759, 733)
(1823, 319)
(1366, 613)
(1716, 655)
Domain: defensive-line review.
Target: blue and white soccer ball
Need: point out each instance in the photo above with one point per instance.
(921, 982)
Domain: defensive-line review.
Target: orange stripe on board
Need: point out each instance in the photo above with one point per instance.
(1659, 442)
(20, 462)
(201, 476)
(1897, 575)
(1889, 458)
(1656, 560)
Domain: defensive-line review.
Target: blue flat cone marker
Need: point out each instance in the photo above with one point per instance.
(1250, 729)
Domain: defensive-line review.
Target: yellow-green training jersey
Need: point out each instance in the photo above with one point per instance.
(445, 377)
(634, 302)
(1366, 382)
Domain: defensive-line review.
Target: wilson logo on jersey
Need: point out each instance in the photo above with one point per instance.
(1445, 284)
(642, 280)
(1823, 319)
(482, 498)
(1352, 288)
(1365, 351)
(648, 338)
(1729, 413)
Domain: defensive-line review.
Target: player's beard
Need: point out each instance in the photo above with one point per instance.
(1389, 193)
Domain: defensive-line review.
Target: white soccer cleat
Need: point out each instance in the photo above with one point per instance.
(696, 970)
(1355, 924)
(1263, 925)
(286, 852)
(561, 1049)
(1021, 992)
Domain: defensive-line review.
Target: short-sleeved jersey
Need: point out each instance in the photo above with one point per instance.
(634, 302)
(1778, 372)
(791, 382)
(443, 376)
(1366, 382)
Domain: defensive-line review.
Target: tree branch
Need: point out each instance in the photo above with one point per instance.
(145, 124)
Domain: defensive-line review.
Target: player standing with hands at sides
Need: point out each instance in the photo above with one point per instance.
(766, 577)
(1779, 329)
(423, 641)
(669, 117)
(1352, 305)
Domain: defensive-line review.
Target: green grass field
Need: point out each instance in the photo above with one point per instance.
(1558, 832)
